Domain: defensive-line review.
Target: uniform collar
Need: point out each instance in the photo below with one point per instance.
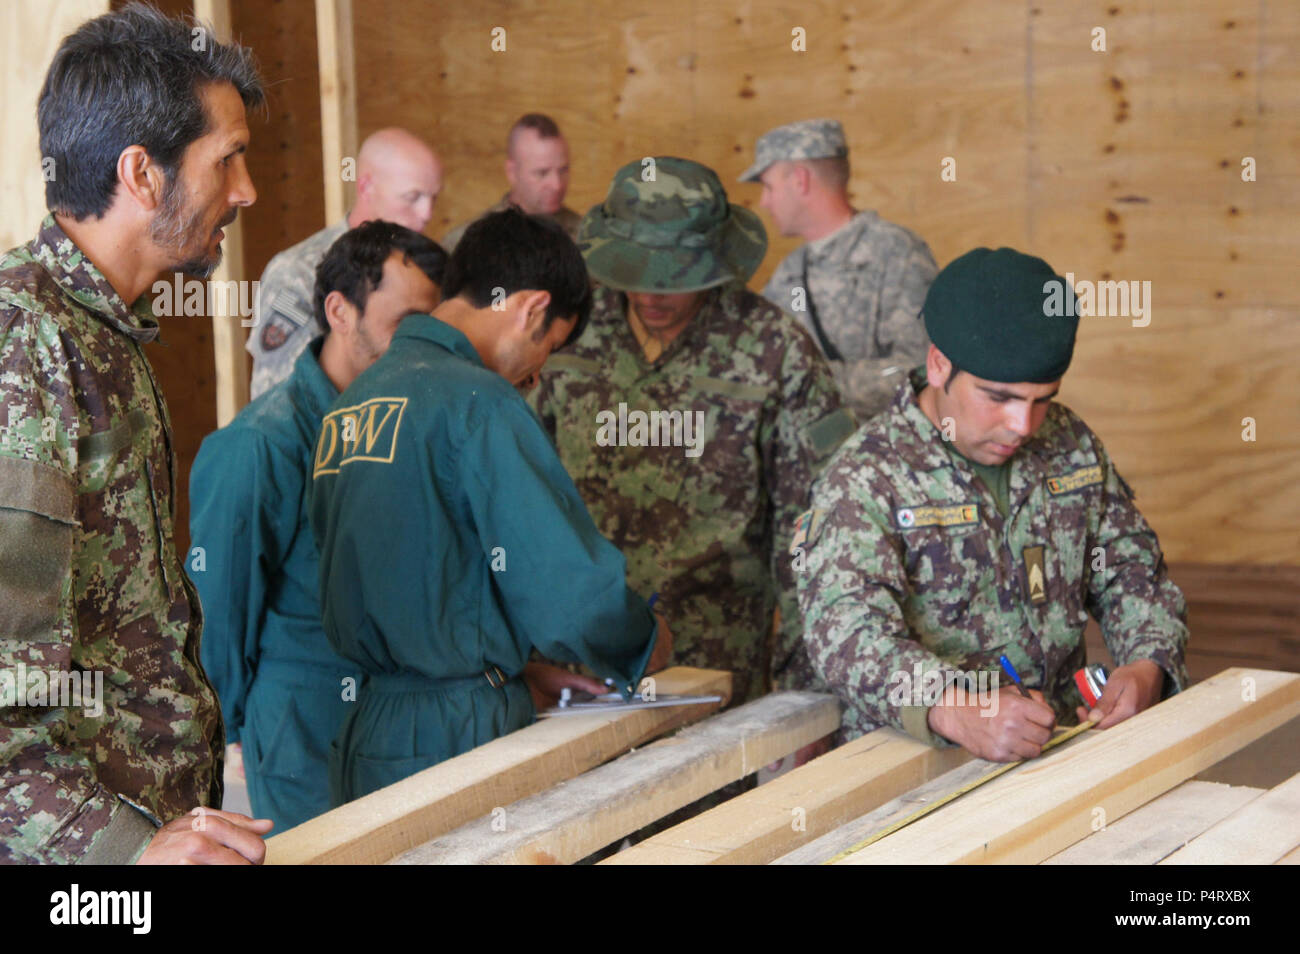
(79, 279)
(308, 378)
(429, 328)
(837, 245)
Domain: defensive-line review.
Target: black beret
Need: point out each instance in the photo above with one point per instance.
(995, 315)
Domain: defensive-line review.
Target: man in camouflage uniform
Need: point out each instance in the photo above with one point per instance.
(858, 283)
(398, 180)
(90, 581)
(742, 413)
(537, 168)
(977, 518)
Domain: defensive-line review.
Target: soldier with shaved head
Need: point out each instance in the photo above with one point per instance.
(399, 178)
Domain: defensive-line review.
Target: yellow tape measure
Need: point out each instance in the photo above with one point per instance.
(1056, 740)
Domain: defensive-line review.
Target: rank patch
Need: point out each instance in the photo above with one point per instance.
(955, 516)
(1074, 480)
(1035, 574)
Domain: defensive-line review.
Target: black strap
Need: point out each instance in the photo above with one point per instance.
(832, 353)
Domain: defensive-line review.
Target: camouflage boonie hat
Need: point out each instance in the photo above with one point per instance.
(677, 233)
(808, 139)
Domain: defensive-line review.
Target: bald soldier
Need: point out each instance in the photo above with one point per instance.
(978, 517)
(858, 281)
(693, 415)
(399, 178)
(537, 168)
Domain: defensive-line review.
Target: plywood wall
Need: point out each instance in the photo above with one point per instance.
(1123, 164)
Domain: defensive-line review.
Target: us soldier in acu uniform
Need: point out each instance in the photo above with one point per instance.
(702, 517)
(452, 542)
(975, 518)
(858, 282)
(148, 136)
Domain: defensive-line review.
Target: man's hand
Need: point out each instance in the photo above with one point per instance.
(208, 836)
(545, 682)
(1129, 690)
(662, 654)
(1019, 729)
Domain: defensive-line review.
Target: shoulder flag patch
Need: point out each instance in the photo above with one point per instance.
(805, 528)
(955, 516)
(1074, 480)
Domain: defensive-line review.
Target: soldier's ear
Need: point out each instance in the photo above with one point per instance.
(141, 179)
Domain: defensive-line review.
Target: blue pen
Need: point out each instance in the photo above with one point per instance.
(654, 598)
(1015, 676)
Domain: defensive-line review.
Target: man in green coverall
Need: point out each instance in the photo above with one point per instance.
(283, 690)
(452, 541)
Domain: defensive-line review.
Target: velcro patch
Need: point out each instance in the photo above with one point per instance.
(1074, 480)
(956, 516)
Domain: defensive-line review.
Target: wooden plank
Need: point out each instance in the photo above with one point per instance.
(572, 820)
(859, 829)
(1159, 827)
(227, 325)
(1259, 833)
(1292, 857)
(338, 99)
(799, 806)
(1045, 806)
(378, 826)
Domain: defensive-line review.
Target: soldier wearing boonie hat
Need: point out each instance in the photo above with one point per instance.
(977, 517)
(858, 283)
(689, 413)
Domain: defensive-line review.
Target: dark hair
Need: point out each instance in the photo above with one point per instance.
(512, 251)
(953, 371)
(354, 264)
(539, 123)
(132, 77)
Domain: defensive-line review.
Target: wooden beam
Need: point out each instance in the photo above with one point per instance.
(822, 849)
(378, 826)
(1047, 805)
(1159, 827)
(1261, 832)
(227, 324)
(570, 821)
(338, 100)
(799, 806)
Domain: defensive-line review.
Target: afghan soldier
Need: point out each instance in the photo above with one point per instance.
(693, 416)
(283, 690)
(975, 518)
(147, 132)
(398, 180)
(858, 282)
(537, 168)
(452, 542)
